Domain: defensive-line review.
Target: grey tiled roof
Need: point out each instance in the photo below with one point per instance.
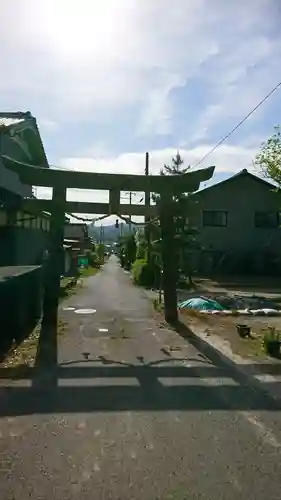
(75, 230)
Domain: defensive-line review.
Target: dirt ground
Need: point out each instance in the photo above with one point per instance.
(237, 293)
(250, 284)
(225, 327)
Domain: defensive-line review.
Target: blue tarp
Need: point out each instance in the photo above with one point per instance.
(201, 304)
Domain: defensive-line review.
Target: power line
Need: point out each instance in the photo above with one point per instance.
(238, 125)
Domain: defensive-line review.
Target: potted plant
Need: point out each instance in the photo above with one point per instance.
(272, 342)
(243, 330)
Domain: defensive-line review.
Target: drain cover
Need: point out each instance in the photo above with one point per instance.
(85, 311)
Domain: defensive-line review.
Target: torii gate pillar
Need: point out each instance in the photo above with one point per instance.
(52, 273)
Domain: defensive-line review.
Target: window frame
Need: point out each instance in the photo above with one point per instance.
(204, 212)
(264, 212)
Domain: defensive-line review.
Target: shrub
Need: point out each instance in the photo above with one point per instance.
(143, 273)
(94, 260)
(272, 341)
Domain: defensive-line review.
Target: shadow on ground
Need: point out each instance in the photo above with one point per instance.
(112, 386)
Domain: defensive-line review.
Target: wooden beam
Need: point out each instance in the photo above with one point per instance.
(114, 201)
(38, 176)
(81, 207)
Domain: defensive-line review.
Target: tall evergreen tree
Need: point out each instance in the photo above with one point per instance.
(185, 234)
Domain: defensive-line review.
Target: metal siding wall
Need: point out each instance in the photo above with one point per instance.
(8, 179)
(20, 246)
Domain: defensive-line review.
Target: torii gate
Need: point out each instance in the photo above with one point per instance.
(60, 181)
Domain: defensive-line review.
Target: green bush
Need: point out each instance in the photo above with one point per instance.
(143, 273)
(94, 260)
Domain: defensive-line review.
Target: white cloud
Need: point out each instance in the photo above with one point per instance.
(75, 61)
(47, 125)
(238, 81)
(90, 58)
(227, 158)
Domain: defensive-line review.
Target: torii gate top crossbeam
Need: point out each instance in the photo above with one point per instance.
(38, 176)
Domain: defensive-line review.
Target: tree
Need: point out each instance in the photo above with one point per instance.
(176, 168)
(185, 234)
(127, 250)
(268, 159)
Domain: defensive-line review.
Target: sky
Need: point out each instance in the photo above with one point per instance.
(109, 80)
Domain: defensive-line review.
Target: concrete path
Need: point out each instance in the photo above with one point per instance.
(134, 412)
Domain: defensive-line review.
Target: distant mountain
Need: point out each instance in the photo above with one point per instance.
(111, 233)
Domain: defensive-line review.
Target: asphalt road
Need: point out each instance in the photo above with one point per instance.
(133, 411)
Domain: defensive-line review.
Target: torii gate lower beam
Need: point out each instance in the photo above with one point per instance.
(35, 205)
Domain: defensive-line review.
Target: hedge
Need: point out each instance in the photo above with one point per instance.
(143, 273)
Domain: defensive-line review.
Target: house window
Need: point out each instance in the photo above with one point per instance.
(266, 219)
(214, 218)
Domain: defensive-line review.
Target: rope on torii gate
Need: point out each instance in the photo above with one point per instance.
(83, 219)
(122, 217)
(128, 220)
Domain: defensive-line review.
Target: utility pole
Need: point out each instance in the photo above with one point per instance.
(147, 228)
(130, 217)
(102, 243)
(101, 233)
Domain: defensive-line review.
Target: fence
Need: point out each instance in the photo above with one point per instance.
(21, 293)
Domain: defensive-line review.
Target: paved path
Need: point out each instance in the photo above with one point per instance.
(134, 412)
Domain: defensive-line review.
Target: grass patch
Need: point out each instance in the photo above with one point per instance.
(22, 356)
(158, 306)
(68, 286)
(89, 271)
(251, 347)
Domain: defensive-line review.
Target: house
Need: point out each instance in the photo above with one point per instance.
(239, 226)
(77, 234)
(77, 243)
(23, 236)
(20, 139)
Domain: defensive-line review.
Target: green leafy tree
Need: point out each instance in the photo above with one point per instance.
(141, 245)
(100, 252)
(268, 160)
(127, 250)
